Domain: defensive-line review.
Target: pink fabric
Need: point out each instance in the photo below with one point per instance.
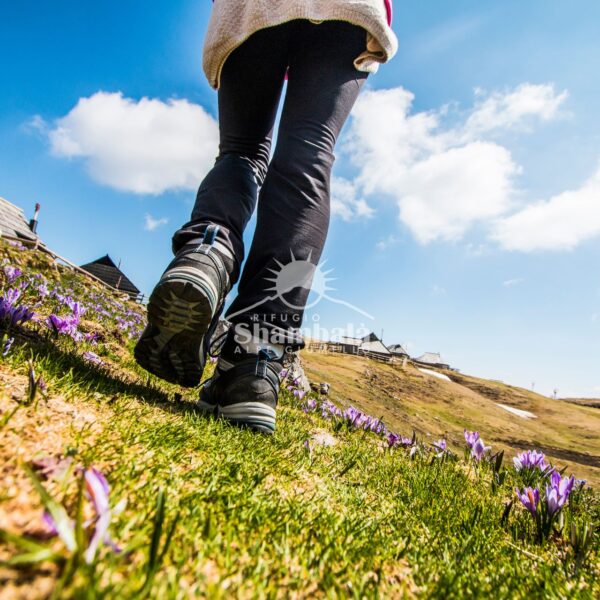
(388, 7)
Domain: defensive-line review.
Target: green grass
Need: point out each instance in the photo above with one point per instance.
(213, 511)
(409, 399)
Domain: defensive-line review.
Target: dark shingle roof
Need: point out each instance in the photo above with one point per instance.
(13, 222)
(105, 269)
(397, 349)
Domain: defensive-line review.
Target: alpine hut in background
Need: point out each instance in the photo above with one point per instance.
(14, 224)
(432, 359)
(107, 271)
(398, 351)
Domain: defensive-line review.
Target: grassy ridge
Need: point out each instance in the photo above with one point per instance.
(319, 509)
(409, 399)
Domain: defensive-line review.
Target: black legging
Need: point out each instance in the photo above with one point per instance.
(293, 204)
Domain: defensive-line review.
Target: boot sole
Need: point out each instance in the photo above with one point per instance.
(253, 415)
(180, 311)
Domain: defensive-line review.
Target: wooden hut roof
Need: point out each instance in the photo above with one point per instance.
(13, 222)
(375, 346)
(397, 349)
(431, 358)
(105, 269)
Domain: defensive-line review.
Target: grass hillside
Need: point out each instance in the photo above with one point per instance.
(113, 486)
(593, 402)
(409, 399)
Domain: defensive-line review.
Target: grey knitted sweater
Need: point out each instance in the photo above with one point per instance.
(234, 21)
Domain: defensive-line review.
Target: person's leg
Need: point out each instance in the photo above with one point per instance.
(293, 218)
(293, 206)
(251, 85)
(184, 307)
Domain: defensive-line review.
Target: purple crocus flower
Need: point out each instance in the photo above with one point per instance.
(11, 295)
(553, 500)
(353, 416)
(310, 405)
(330, 410)
(479, 449)
(49, 524)
(58, 324)
(17, 245)
(12, 314)
(92, 338)
(93, 358)
(441, 447)
(7, 346)
(531, 459)
(299, 394)
(471, 437)
(12, 273)
(65, 326)
(530, 498)
(78, 309)
(565, 487)
(392, 439)
(378, 427)
(97, 492)
(557, 493)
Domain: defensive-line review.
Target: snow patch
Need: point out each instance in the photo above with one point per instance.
(435, 374)
(524, 414)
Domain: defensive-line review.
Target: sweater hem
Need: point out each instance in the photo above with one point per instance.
(379, 30)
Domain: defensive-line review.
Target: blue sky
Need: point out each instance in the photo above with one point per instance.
(467, 185)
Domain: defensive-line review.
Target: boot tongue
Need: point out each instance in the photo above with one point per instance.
(238, 348)
(267, 354)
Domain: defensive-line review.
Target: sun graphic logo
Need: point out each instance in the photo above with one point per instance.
(299, 273)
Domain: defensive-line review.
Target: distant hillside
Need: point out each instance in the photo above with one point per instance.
(593, 402)
(508, 417)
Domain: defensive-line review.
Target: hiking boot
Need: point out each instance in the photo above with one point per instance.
(184, 309)
(245, 387)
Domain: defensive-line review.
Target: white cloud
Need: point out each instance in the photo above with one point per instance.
(476, 250)
(146, 146)
(444, 179)
(561, 223)
(513, 282)
(387, 242)
(448, 192)
(345, 202)
(36, 125)
(150, 223)
(511, 109)
(438, 290)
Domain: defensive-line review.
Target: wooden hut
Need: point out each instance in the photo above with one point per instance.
(373, 347)
(432, 359)
(107, 271)
(14, 225)
(398, 351)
